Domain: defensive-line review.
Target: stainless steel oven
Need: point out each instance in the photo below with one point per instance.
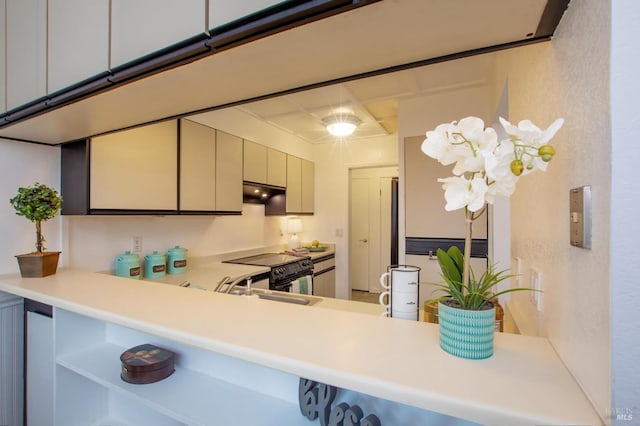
(285, 269)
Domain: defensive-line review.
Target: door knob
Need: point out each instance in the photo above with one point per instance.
(364, 240)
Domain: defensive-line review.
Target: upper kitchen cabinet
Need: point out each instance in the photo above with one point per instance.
(139, 171)
(300, 186)
(264, 165)
(144, 26)
(197, 167)
(26, 54)
(78, 39)
(255, 162)
(228, 172)
(132, 171)
(308, 186)
(224, 11)
(135, 169)
(276, 167)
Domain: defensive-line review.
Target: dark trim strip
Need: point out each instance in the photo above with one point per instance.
(395, 235)
(323, 258)
(553, 13)
(324, 271)
(425, 246)
(38, 308)
(9, 138)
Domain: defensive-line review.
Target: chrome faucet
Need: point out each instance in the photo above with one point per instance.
(238, 281)
(230, 285)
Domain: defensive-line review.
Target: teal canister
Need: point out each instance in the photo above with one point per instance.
(177, 263)
(155, 265)
(128, 265)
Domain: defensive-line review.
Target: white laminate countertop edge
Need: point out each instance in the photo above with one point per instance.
(525, 382)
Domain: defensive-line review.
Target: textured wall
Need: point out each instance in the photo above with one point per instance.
(568, 77)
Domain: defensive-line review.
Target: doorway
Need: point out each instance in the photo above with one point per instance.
(370, 225)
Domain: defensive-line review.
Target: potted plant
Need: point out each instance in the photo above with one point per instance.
(485, 167)
(38, 204)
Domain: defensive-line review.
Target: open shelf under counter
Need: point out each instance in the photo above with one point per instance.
(267, 346)
(188, 397)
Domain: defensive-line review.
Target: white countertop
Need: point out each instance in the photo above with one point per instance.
(523, 383)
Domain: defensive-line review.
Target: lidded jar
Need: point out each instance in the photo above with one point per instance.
(155, 265)
(177, 263)
(128, 265)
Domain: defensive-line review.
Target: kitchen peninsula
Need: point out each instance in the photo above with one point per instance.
(243, 352)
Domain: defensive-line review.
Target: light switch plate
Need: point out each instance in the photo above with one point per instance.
(580, 216)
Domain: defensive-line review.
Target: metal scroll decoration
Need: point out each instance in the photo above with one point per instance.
(315, 401)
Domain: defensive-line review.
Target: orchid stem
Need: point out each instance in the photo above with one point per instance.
(467, 248)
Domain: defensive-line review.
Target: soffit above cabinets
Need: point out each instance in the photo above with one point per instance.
(374, 37)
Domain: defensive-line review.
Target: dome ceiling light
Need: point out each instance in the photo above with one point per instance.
(341, 125)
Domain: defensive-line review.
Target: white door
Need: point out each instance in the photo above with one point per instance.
(359, 234)
(370, 229)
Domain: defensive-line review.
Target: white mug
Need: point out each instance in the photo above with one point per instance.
(403, 302)
(412, 316)
(401, 278)
(381, 299)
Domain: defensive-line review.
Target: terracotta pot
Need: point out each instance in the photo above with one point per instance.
(35, 265)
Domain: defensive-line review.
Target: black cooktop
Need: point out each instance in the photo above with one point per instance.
(266, 259)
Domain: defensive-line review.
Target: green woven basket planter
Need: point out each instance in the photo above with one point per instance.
(467, 334)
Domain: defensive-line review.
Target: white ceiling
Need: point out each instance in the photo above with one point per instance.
(376, 36)
(373, 100)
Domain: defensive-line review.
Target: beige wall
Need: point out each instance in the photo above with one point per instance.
(23, 164)
(333, 161)
(569, 78)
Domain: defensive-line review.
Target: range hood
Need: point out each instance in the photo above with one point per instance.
(273, 197)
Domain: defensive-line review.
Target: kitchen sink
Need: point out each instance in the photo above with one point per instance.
(278, 296)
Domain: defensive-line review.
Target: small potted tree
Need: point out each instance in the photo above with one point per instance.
(38, 204)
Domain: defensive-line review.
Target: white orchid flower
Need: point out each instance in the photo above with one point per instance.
(529, 133)
(460, 192)
(502, 187)
(498, 163)
(437, 145)
(472, 143)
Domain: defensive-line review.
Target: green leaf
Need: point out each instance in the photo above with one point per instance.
(448, 266)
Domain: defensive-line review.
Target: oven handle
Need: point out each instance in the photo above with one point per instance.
(286, 287)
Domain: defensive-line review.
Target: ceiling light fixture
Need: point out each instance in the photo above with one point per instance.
(341, 125)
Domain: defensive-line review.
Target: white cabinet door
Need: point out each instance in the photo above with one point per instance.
(26, 39)
(197, 167)
(294, 184)
(143, 26)
(78, 41)
(255, 162)
(276, 167)
(308, 186)
(228, 172)
(3, 57)
(40, 365)
(300, 185)
(136, 169)
(324, 285)
(224, 11)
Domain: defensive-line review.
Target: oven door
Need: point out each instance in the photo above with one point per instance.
(301, 283)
